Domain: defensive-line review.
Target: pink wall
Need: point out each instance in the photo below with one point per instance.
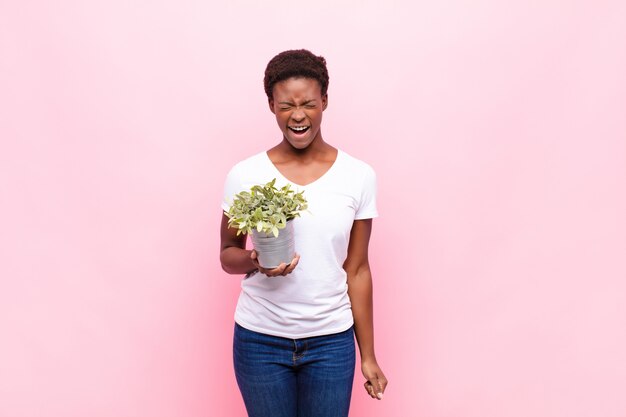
(498, 131)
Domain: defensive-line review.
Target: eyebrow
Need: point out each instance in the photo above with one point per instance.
(289, 102)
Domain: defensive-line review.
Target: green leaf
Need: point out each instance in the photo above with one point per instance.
(265, 208)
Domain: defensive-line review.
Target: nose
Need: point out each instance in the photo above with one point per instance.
(298, 115)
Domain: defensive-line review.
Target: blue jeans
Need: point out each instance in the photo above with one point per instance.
(280, 377)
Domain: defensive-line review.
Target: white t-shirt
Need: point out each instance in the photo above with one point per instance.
(313, 299)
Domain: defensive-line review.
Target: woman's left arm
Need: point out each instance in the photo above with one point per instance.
(360, 291)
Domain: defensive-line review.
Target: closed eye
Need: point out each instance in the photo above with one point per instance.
(309, 104)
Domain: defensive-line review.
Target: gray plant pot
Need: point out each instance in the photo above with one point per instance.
(272, 251)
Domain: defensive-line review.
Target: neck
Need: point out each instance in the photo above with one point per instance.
(316, 147)
(317, 150)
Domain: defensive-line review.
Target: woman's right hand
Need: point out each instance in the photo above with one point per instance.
(281, 270)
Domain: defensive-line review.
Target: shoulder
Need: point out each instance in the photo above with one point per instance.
(355, 165)
(254, 166)
(254, 161)
(254, 170)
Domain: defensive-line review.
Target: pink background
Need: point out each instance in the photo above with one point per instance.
(498, 131)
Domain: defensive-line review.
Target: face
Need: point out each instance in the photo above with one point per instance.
(298, 105)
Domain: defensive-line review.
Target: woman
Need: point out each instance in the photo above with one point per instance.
(293, 346)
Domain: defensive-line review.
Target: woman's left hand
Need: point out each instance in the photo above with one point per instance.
(376, 381)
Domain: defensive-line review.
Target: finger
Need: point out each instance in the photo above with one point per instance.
(265, 271)
(380, 392)
(378, 387)
(274, 272)
(281, 269)
(383, 383)
(370, 389)
(292, 266)
(255, 261)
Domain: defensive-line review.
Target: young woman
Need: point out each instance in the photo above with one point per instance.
(293, 347)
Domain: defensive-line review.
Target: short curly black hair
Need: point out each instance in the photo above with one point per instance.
(295, 63)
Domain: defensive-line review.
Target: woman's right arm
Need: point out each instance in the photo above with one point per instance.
(236, 259)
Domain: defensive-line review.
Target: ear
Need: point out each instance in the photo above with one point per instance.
(324, 101)
(270, 101)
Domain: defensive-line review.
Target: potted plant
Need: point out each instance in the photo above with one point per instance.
(265, 212)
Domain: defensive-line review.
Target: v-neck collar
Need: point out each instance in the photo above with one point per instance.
(320, 178)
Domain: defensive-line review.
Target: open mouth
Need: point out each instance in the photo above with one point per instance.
(299, 129)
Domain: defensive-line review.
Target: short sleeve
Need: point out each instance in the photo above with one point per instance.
(367, 204)
(232, 186)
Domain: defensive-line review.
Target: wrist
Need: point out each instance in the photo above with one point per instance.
(370, 358)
